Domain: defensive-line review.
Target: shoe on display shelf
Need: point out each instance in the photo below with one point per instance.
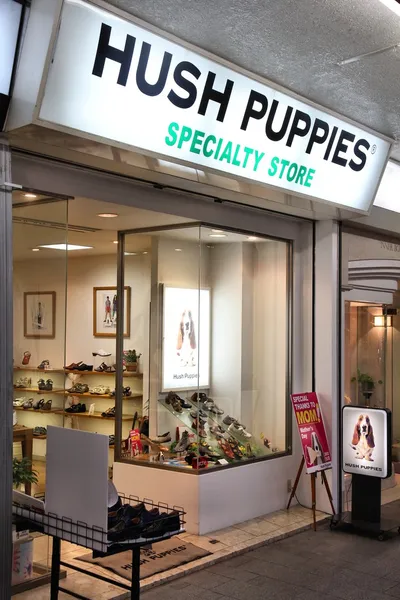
(28, 404)
(47, 405)
(41, 384)
(194, 413)
(19, 401)
(38, 405)
(183, 443)
(237, 429)
(100, 390)
(162, 439)
(45, 364)
(174, 401)
(210, 405)
(73, 366)
(102, 353)
(39, 431)
(198, 397)
(110, 412)
(76, 409)
(102, 368)
(144, 427)
(132, 522)
(84, 367)
(229, 420)
(23, 382)
(163, 524)
(49, 385)
(200, 429)
(78, 388)
(26, 358)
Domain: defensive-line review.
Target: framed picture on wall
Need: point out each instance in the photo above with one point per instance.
(105, 312)
(186, 338)
(40, 315)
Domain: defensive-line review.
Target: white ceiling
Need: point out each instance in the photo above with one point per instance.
(299, 45)
(38, 224)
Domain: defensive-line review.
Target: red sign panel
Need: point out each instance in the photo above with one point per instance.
(312, 432)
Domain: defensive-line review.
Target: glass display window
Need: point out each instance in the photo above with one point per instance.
(215, 307)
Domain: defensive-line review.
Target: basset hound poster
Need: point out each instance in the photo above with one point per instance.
(186, 338)
(366, 444)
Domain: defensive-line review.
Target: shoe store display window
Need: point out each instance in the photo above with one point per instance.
(216, 306)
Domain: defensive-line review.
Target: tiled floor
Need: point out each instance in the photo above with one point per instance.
(231, 542)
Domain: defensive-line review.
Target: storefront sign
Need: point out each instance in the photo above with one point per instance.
(186, 339)
(367, 441)
(113, 79)
(312, 432)
(10, 18)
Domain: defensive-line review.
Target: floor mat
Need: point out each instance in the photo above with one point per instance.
(161, 557)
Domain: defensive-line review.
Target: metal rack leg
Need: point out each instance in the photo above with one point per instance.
(55, 568)
(135, 589)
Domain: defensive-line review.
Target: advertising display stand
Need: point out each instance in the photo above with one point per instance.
(366, 455)
(314, 442)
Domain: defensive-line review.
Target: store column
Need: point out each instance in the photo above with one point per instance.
(6, 371)
(326, 343)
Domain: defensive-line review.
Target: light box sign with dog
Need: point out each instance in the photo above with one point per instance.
(186, 339)
(367, 441)
(316, 452)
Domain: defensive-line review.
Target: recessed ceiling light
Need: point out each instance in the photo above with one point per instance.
(130, 253)
(252, 238)
(218, 235)
(178, 249)
(68, 247)
(217, 230)
(107, 215)
(145, 253)
(115, 242)
(30, 196)
(35, 249)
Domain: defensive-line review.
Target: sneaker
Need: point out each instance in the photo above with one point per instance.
(237, 429)
(183, 443)
(229, 420)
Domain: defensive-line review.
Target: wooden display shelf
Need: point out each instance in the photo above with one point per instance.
(37, 410)
(89, 395)
(36, 370)
(40, 437)
(125, 374)
(37, 391)
(96, 415)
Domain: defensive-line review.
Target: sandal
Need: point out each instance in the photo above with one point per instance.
(41, 384)
(45, 364)
(100, 390)
(28, 404)
(102, 368)
(47, 405)
(127, 391)
(38, 404)
(110, 412)
(26, 358)
(49, 385)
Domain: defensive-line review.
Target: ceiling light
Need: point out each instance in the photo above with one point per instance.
(178, 249)
(217, 230)
(65, 247)
(382, 321)
(218, 235)
(393, 5)
(252, 238)
(115, 242)
(107, 215)
(30, 196)
(35, 250)
(130, 253)
(144, 252)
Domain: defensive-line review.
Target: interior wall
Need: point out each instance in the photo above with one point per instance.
(226, 276)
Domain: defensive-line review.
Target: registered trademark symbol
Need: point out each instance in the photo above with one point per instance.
(373, 149)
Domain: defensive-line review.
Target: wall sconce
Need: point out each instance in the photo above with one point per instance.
(379, 321)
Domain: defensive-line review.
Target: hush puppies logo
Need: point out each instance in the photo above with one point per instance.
(278, 122)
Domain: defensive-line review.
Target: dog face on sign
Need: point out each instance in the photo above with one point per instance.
(186, 343)
(363, 441)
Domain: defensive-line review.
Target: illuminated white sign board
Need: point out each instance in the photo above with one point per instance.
(366, 442)
(186, 339)
(112, 79)
(10, 15)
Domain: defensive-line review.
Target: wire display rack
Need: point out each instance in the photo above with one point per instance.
(96, 539)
